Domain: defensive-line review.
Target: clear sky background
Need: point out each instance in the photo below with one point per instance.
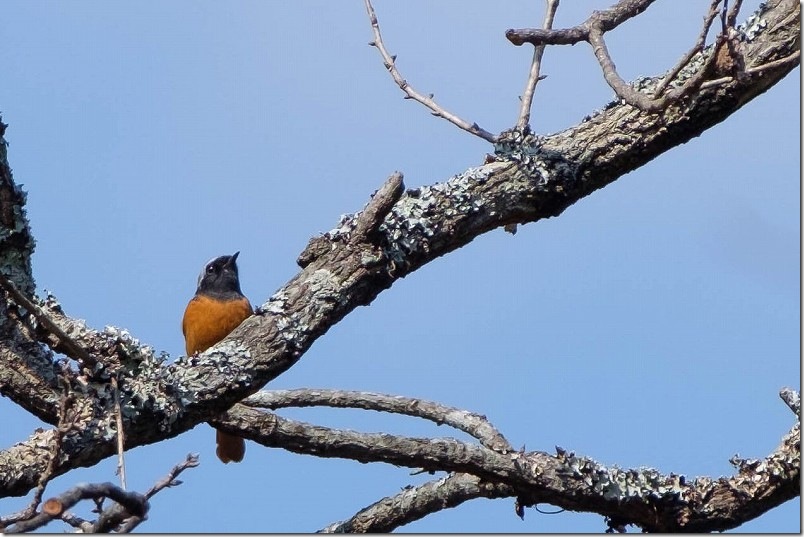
(651, 324)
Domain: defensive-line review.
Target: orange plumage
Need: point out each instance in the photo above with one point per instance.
(207, 321)
(217, 308)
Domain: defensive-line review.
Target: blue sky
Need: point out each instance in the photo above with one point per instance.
(651, 324)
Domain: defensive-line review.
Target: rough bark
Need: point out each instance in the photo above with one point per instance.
(529, 178)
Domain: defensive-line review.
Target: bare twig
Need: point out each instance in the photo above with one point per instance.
(131, 523)
(77, 522)
(731, 17)
(696, 48)
(116, 515)
(73, 349)
(474, 424)
(608, 19)
(191, 461)
(134, 503)
(435, 108)
(535, 66)
(640, 100)
(121, 439)
(592, 31)
(758, 70)
(64, 426)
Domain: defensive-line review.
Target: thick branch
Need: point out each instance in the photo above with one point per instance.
(530, 179)
(415, 503)
(606, 20)
(643, 497)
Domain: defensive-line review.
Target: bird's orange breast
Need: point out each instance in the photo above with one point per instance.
(207, 321)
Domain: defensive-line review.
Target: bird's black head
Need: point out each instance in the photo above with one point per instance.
(219, 278)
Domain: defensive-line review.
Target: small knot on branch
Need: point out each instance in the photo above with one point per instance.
(369, 220)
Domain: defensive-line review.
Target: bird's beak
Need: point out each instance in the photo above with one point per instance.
(232, 259)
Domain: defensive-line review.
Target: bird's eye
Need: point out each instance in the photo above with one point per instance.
(210, 269)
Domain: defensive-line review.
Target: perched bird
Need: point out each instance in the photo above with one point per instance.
(217, 308)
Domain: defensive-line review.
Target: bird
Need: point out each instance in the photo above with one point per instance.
(217, 308)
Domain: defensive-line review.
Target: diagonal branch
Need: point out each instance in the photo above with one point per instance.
(415, 503)
(63, 342)
(697, 48)
(390, 63)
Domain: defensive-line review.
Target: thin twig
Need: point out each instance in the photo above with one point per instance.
(77, 522)
(134, 503)
(116, 515)
(640, 100)
(696, 48)
(191, 461)
(121, 439)
(731, 17)
(759, 69)
(435, 108)
(535, 67)
(73, 349)
(592, 31)
(62, 428)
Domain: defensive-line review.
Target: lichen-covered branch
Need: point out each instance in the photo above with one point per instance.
(415, 503)
(529, 178)
(643, 496)
(27, 373)
(468, 422)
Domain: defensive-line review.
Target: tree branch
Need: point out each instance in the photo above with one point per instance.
(415, 503)
(63, 341)
(473, 424)
(129, 511)
(643, 497)
(606, 20)
(390, 63)
(535, 67)
(136, 504)
(723, 56)
(528, 179)
(697, 48)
